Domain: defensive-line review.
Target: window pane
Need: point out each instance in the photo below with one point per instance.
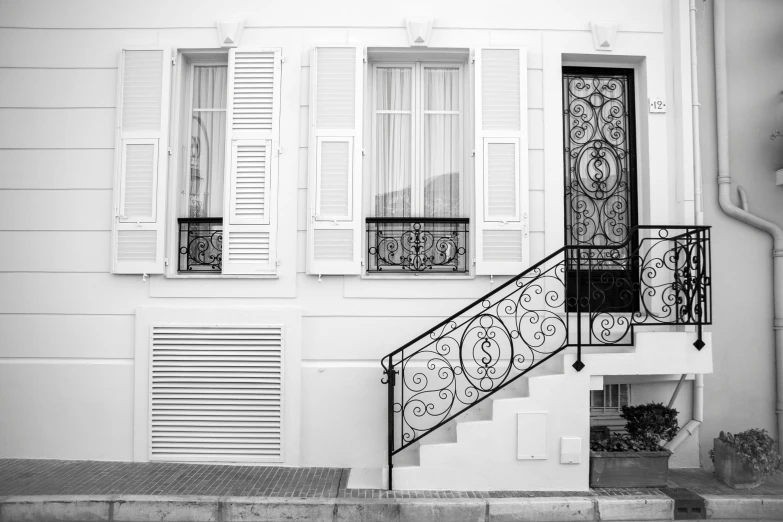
(441, 165)
(612, 391)
(625, 392)
(596, 398)
(393, 89)
(441, 148)
(207, 142)
(441, 89)
(393, 165)
(393, 143)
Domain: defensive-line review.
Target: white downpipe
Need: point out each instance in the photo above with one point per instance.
(742, 214)
(698, 204)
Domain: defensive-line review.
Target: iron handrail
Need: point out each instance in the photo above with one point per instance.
(533, 267)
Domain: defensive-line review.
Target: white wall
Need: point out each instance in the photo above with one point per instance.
(68, 342)
(741, 393)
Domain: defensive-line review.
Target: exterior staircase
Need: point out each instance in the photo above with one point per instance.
(497, 396)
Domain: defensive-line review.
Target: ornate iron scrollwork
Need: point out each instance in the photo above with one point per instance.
(200, 245)
(416, 245)
(599, 159)
(534, 316)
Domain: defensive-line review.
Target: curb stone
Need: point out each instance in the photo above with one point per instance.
(267, 509)
(744, 508)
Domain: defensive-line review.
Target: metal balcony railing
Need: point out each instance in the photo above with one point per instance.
(200, 245)
(580, 295)
(417, 245)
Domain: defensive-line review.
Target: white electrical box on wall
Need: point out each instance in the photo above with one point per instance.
(657, 105)
(531, 436)
(570, 450)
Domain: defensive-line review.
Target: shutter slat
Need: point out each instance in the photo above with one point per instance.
(211, 403)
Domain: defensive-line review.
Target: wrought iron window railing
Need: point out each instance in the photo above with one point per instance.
(417, 245)
(200, 245)
(580, 295)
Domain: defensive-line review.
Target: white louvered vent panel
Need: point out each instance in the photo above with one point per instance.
(136, 245)
(502, 245)
(248, 247)
(335, 179)
(501, 180)
(216, 393)
(253, 91)
(500, 89)
(336, 91)
(139, 190)
(250, 183)
(141, 90)
(333, 244)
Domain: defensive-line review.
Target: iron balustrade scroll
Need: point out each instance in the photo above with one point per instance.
(417, 245)
(534, 316)
(200, 245)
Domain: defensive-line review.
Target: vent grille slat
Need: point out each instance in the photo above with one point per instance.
(216, 393)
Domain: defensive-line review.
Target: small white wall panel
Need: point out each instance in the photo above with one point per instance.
(570, 450)
(531, 436)
(216, 393)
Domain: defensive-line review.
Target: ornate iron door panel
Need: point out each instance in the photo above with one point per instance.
(600, 187)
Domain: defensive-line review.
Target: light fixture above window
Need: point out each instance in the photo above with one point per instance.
(229, 32)
(419, 30)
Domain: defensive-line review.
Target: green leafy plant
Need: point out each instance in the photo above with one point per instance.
(757, 450)
(647, 425)
(650, 423)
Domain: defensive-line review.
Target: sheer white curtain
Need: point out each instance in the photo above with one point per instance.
(441, 176)
(207, 141)
(393, 160)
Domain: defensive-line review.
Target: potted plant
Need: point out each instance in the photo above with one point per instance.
(635, 459)
(745, 459)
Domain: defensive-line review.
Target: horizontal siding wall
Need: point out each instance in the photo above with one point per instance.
(66, 320)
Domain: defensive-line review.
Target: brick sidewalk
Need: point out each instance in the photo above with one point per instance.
(62, 477)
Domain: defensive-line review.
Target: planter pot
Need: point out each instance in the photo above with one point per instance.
(631, 469)
(730, 469)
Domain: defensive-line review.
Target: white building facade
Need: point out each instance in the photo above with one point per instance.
(223, 217)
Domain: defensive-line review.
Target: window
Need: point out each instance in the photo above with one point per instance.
(417, 136)
(611, 399)
(202, 161)
(225, 141)
(206, 122)
(414, 214)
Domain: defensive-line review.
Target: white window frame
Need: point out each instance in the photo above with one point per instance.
(417, 131)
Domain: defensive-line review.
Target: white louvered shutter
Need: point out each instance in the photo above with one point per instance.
(252, 140)
(140, 162)
(216, 393)
(335, 162)
(501, 161)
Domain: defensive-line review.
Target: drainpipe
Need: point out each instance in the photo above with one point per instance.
(698, 383)
(742, 214)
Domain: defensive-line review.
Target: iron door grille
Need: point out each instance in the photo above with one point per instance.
(216, 393)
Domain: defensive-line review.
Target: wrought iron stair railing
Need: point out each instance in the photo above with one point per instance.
(578, 296)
